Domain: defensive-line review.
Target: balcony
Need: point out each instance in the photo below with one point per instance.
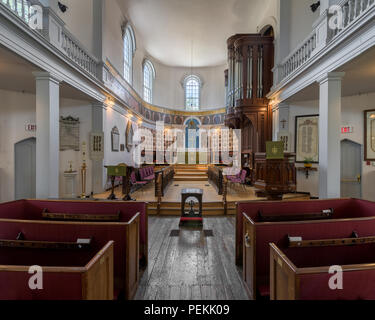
(354, 14)
(51, 27)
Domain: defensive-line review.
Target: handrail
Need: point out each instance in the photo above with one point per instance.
(21, 8)
(300, 55)
(75, 51)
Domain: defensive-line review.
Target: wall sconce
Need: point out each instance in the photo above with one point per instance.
(62, 7)
(315, 6)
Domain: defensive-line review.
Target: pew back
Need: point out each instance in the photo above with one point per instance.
(33, 210)
(67, 274)
(303, 273)
(124, 234)
(257, 236)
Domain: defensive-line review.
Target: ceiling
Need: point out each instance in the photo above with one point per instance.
(171, 30)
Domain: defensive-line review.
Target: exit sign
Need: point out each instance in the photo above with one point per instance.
(347, 129)
(30, 127)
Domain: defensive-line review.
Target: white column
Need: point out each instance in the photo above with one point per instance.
(329, 135)
(99, 175)
(47, 135)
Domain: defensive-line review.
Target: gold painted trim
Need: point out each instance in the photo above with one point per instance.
(156, 108)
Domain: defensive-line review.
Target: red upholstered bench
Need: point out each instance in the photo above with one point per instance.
(253, 237)
(302, 273)
(130, 233)
(68, 273)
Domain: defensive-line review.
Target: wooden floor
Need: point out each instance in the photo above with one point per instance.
(191, 266)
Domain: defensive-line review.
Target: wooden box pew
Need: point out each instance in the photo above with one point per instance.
(124, 234)
(70, 271)
(82, 211)
(257, 235)
(301, 271)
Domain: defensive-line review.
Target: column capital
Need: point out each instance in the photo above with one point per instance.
(281, 105)
(44, 75)
(98, 104)
(335, 76)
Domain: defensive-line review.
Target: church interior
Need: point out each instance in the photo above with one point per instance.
(187, 150)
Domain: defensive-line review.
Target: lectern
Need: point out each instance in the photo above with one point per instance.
(121, 170)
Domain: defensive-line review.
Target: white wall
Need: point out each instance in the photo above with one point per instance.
(78, 20)
(301, 21)
(81, 110)
(115, 117)
(169, 91)
(352, 114)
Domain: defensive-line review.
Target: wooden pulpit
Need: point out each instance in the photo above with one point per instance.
(275, 172)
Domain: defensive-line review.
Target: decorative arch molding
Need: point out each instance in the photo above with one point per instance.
(186, 77)
(149, 63)
(193, 118)
(270, 21)
(127, 26)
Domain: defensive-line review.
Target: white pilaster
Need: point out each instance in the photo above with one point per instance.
(281, 119)
(47, 135)
(99, 176)
(329, 135)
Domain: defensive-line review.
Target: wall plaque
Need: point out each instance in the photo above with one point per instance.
(307, 138)
(69, 133)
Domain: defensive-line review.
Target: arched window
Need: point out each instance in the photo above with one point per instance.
(192, 86)
(129, 49)
(148, 80)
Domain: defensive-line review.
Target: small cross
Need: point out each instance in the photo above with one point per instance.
(283, 122)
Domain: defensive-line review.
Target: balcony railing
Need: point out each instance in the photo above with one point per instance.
(19, 7)
(352, 11)
(60, 37)
(76, 53)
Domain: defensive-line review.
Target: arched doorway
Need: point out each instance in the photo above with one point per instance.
(25, 167)
(351, 169)
(192, 124)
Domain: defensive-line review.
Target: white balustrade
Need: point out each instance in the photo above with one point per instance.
(75, 52)
(19, 7)
(70, 46)
(351, 11)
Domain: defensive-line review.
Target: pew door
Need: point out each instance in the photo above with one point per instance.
(351, 169)
(25, 167)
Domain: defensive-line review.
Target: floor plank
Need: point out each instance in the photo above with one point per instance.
(191, 266)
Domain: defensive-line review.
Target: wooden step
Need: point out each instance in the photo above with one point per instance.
(190, 178)
(209, 208)
(191, 173)
(191, 168)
